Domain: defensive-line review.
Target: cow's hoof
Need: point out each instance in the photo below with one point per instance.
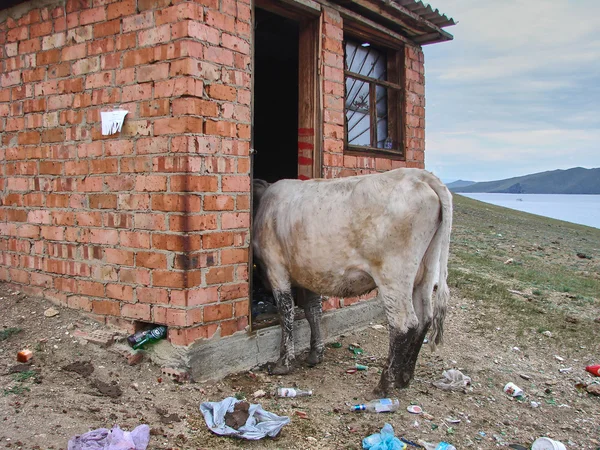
(403, 380)
(281, 369)
(314, 358)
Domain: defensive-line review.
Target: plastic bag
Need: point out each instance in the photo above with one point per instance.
(454, 380)
(384, 440)
(260, 423)
(115, 439)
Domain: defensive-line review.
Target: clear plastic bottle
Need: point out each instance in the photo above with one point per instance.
(293, 392)
(439, 446)
(379, 405)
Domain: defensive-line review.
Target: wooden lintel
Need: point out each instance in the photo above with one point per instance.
(379, 10)
(368, 23)
(306, 5)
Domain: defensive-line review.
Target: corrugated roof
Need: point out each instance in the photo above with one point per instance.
(427, 12)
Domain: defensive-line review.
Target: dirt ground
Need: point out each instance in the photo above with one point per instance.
(45, 405)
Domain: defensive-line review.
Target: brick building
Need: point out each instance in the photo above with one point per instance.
(152, 224)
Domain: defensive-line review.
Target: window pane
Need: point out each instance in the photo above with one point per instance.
(357, 112)
(383, 139)
(366, 61)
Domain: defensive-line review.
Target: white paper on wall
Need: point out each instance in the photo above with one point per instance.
(112, 121)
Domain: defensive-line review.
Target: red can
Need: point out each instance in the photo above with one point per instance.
(594, 370)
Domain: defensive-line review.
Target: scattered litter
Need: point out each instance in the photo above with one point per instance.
(24, 355)
(411, 443)
(594, 370)
(437, 446)
(565, 369)
(414, 409)
(258, 394)
(334, 345)
(355, 348)
(534, 404)
(142, 338)
(547, 333)
(516, 349)
(351, 371)
(452, 420)
(260, 423)
(293, 392)
(361, 367)
(384, 440)
(513, 390)
(453, 380)
(302, 414)
(509, 261)
(525, 376)
(378, 327)
(379, 405)
(427, 416)
(115, 439)
(559, 358)
(513, 291)
(545, 443)
(51, 312)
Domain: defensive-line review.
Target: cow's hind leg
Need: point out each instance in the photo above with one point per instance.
(285, 307)
(313, 309)
(405, 332)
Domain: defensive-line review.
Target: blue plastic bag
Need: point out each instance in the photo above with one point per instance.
(384, 440)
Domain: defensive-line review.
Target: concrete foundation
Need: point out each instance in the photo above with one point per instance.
(216, 358)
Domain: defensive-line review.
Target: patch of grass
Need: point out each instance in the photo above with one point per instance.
(26, 375)
(16, 390)
(8, 332)
(240, 395)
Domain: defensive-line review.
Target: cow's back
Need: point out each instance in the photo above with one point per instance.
(331, 234)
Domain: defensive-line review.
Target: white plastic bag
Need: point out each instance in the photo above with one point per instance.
(454, 380)
(260, 423)
(115, 439)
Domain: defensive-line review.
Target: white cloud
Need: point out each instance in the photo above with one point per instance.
(516, 92)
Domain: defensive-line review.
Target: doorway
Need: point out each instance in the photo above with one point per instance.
(275, 96)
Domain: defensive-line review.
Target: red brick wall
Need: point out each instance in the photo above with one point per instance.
(151, 223)
(335, 162)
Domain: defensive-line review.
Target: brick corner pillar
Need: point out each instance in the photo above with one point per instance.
(150, 224)
(414, 79)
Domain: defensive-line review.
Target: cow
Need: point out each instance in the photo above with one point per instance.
(348, 236)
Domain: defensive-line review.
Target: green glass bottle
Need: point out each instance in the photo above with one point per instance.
(146, 337)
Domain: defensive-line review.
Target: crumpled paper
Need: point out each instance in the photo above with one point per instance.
(260, 423)
(454, 380)
(115, 439)
(384, 440)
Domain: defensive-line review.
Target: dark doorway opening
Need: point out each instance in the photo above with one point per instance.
(275, 132)
(275, 97)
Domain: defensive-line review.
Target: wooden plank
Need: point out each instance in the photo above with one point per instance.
(369, 29)
(371, 80)
(308, 90)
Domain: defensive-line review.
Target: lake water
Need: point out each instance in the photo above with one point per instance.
(581, 209)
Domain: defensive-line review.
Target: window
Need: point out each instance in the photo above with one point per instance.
(373, 94)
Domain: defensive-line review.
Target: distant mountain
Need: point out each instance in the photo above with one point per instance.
(571, 181)
(459, 184)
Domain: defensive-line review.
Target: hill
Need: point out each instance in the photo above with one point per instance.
(571, 181)
(459, 184)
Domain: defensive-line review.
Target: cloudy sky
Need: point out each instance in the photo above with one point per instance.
(516, 92)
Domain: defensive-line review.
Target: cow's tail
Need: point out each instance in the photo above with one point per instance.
(441, 240)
